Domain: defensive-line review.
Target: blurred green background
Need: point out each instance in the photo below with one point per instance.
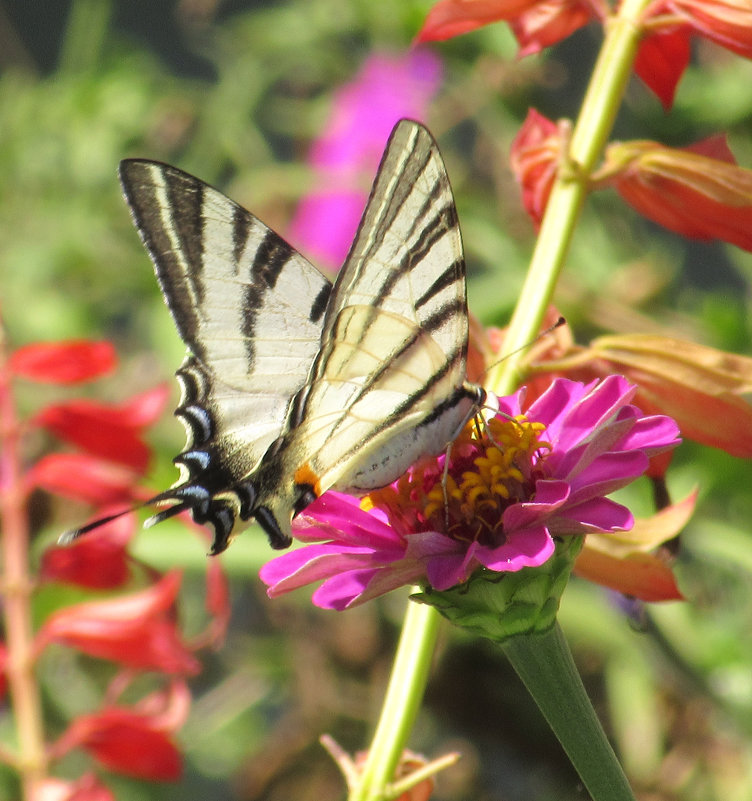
(235, 92)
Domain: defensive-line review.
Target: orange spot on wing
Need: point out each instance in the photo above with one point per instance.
(305, 475)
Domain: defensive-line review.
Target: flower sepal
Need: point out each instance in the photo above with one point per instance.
(503, 605)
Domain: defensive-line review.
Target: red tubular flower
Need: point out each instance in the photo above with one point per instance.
(217, 601)
(548, 22)
(63, 362)
(135, 630)
(661, 61)
(98, 561)
(687, 191)
(127, 743)
(632, 562)
(84, 478)
(725, 22)
(112, 432)
(135, 742)
(449, 18)
(535, 23)
(704, 389)
(533, 158)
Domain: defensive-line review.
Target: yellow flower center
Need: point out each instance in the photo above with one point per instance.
(492, 465)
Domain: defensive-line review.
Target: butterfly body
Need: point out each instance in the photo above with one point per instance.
(292, 385)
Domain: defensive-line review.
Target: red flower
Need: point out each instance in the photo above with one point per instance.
(63, 362)
(217, 601)
(692, 191)
(126, 743)
(136, 742)
(664, 54)
(633, 562)
(535, 23)
(534, 158)
(725, 22)
(111, 432)
(705, 390)
(661, 61)
(97, 561)
(135, 630)
(83, 478)
(548, 22)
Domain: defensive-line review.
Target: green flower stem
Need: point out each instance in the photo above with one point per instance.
(602, 100)
(403, 698)
(544, 663)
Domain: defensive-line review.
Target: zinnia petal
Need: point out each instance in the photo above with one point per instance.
(529, 547)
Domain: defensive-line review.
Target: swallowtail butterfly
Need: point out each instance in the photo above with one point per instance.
(292, 385)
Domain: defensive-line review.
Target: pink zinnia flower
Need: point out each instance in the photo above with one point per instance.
(530, 476)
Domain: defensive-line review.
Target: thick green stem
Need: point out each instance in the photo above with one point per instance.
(403, 698)
(544, 663)
(590, 134)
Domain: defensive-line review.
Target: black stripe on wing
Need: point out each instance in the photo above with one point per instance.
(410, 400)
(394, 204)
(242, 223)
(442, 282)
(270, 258)
(149, 187)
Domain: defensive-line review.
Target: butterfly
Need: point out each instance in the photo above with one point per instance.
(292, 385)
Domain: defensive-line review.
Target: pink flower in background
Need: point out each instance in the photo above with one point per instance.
(544, 471)
(345, 158)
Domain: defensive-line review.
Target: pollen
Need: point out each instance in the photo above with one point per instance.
(491, 465)
(494, 468)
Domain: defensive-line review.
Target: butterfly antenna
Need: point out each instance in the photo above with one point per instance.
(180, 505)
(551, 328)
(165, 514)
(67, 537)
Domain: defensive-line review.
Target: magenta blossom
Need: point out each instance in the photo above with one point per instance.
(345, 157)
(529, 476)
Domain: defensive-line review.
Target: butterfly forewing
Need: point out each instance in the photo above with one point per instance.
(250, 311)
(388, 384)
